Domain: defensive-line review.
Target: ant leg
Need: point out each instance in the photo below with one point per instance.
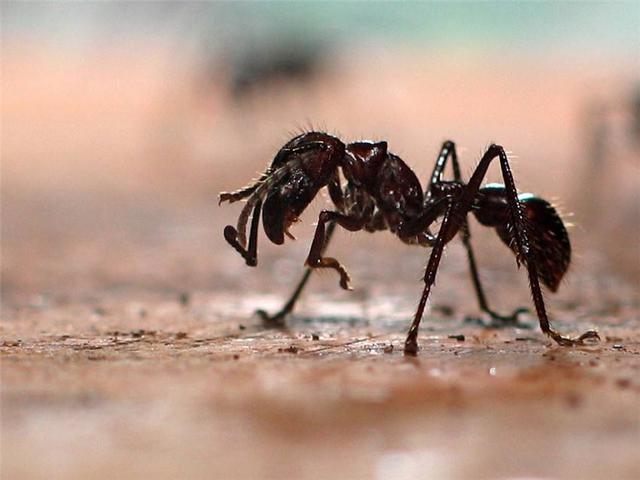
(249, 254)
(449, 149)
(525, 253)
(277, 319)
(242, 193)
(498, 321)
(315, 258)
(448, 226)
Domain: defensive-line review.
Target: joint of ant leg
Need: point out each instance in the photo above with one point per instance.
(231, 236)
(313, 262)
(325, 216)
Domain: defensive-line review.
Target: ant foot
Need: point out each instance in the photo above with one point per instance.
(570, 342)
(272, 321)
(345, 281)
(328, 262)
(503, 321)
(411, 349)
(411, 344)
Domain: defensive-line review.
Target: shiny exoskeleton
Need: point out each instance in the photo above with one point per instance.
(380, 192)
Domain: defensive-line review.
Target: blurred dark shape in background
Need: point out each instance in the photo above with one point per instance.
(265, 66)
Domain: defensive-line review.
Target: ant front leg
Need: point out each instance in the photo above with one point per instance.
(315, 258)
(277, 319)
(498, 321)
(249, 254)
(522, 244)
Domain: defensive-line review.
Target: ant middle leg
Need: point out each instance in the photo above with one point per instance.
(446, 232)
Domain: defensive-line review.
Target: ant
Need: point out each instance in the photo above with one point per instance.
(381, 192)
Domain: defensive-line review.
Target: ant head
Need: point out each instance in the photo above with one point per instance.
(303, 166)
(284, 203)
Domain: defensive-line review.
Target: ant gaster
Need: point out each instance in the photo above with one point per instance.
(380, 192)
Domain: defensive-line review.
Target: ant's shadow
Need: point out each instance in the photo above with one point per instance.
(305, 321)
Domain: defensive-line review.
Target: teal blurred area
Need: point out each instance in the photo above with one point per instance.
(582, 29)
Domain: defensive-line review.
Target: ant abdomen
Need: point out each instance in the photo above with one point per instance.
(547, 236)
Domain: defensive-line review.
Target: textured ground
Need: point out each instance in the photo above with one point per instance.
(160, 382)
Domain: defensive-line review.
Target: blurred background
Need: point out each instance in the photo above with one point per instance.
(127, 339)
(121, 122)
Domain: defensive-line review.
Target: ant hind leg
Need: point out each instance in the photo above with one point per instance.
(497, 320)
(524, 253)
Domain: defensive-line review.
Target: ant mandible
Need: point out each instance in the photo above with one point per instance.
(381, 192)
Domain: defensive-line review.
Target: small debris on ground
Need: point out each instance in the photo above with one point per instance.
(290, 349)
(141, 332)
(623, 383)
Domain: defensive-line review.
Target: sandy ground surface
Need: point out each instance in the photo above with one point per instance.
(128, 343)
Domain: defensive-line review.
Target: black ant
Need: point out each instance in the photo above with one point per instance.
(381, 192)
